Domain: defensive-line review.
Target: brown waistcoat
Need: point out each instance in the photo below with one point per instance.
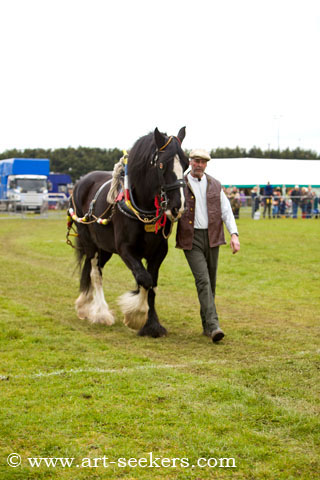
(185, 230)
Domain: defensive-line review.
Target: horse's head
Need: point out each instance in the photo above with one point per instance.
(170, 162)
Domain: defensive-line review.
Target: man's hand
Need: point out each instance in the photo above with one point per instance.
(234, 243)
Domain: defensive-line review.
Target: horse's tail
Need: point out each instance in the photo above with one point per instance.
(118, 171)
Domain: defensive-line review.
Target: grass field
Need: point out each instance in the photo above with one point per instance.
(70, 389)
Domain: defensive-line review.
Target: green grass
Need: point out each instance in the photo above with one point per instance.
(70, 389)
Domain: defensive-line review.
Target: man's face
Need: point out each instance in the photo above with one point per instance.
(198, 166)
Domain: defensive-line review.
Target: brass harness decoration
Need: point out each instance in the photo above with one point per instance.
(153, 221)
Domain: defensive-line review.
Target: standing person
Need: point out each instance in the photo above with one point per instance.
(276, 204)
(235, 201)
(268, 192)
(243, 198)
(303, 202)
(315, 206)
(310, 201)
(200, 233)
(255, 201)
(283, 207)
(295, 197)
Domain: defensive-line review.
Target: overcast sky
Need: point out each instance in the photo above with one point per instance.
(102, 73)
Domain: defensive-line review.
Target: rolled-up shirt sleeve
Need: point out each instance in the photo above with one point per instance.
(227, 214)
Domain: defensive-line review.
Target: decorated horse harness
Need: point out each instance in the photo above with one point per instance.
(153, 220)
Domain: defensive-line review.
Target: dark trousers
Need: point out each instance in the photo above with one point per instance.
(203, 262)
(267, 206)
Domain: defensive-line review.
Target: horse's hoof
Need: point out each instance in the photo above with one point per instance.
(154, 331)
(135, 320)
(104, 318)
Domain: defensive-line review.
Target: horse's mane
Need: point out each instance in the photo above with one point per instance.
(139, 165)
(115, 184)
(139, 157)
(141, 151)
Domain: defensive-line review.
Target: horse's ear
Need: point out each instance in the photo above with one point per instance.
(159, 138)
(182, 134)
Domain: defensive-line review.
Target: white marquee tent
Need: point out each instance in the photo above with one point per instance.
(248, 172)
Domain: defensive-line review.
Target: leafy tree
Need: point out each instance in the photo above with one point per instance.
(79, 161)
(74, 161)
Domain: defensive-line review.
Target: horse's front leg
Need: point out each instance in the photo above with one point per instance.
(153, 327)
(138, 305)
(134, 304)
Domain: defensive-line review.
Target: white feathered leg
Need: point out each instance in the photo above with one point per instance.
(83, 303)
(135, 308)
(92, 305)
(98, 311)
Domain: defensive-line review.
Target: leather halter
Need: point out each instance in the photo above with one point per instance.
(180, 183)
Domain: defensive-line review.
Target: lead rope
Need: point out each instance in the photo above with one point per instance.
(170, 231)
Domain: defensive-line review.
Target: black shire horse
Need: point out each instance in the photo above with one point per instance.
(129, 212)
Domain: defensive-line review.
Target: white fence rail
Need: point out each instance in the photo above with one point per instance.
(257, 208)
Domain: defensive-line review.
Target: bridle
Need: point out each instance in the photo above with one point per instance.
(165, 187)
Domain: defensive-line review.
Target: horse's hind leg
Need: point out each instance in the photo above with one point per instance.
(100, 312)
(91, 303)
(85, 298)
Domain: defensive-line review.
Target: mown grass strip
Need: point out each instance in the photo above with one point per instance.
(71, 389)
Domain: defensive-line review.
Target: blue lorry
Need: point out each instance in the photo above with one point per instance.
(59, 183)
(23, 183)
(59, 188)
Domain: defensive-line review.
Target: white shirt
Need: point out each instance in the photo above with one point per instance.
(199, 189)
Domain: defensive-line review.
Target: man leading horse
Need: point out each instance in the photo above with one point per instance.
(200, 233)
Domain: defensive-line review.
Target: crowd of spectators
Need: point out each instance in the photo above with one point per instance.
(274, 202)
(288, 204)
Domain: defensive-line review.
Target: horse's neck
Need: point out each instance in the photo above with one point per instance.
(144, 191)
(143, 182)
(143, 196)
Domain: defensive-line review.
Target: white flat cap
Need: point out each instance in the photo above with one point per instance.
(200, 153)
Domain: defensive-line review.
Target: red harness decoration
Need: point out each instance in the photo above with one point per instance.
(162, 220)
(120, 196)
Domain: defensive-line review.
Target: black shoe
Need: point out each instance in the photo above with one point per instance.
(217, 335)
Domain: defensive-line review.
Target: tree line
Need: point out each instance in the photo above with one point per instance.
(79, 161)
(255, 152)
(73, 161)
